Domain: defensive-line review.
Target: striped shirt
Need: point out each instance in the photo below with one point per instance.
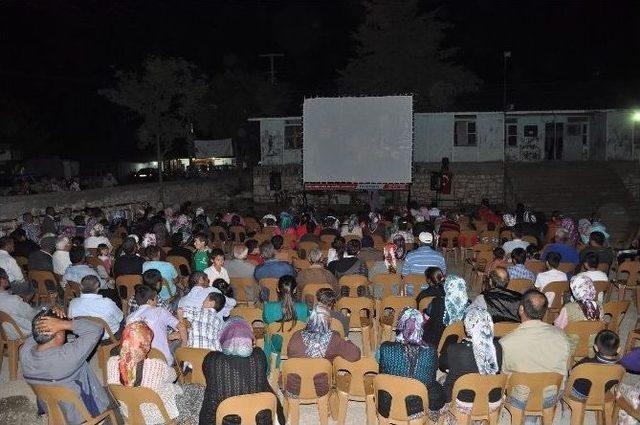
(420, 259)
(206, 325)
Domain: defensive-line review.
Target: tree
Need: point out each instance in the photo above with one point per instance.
(165, 94)
(400, 51)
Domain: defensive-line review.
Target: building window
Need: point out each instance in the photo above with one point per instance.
(579, 130)
(464, 132)
(512, 134)
(293, 134)
(531, 131)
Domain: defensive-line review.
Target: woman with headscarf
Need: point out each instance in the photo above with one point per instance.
(330, 226)
(240, 368)
(97, 237)
(478, 353)
(570, 227)
(584, 226)
(132, 368)
(318, 340)
(351, 227)
(409, 356)
(286, 226)
(374, 226)
(447, 309)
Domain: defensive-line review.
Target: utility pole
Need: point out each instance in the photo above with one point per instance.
(272, 65)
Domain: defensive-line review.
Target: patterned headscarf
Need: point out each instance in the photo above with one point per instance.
(529, 217)
(374, 220)
(509, 220)
(317, 334)
(149, 239)
(389, 252)
(270, 219)
(331, 222)
(567, 224)
(286, 221)
(598, 227)
(584, 226)
(401, 246)
(455, 298)
(118, 217)
(136, 343)
(584, 292)
(97, 230)
(410, 327)
(352, 223)
(236, 339)
(479, 327)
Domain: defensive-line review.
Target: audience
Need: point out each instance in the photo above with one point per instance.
(272, 267)
(23, 246)
(597, 246)
(562, 246)
(447, 309)
(129, 262)
(42, 259)
(78, 269)
(61, 259)
(393, 257)
(328, 297)
(590, 268)
(166, 269)
(216, 270)
(500, 302)
(498, 261)
(518, 270)
(177, 248)
(7, 262)
(516, 242)
(205, 322)
(551, 275)
(96, 237)
(316, 273)
(92, 304)
(239, 266)
(424, 256)
(435, 281)
(368, 252)
(606, 351)
(16, 307)
(201, 258)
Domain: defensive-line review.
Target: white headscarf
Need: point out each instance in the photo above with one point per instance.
(479, 327)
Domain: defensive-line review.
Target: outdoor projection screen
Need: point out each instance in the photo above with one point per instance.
(357, 140)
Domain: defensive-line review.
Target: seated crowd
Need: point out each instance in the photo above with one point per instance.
(139, 290)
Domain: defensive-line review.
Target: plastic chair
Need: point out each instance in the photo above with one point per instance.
(271, 283)
(134, 398)
(465, 242)
(286, 332)
(154, 353)
(506, 235)
(326, 241)
(309, 292)
(46, 286)
(631, 269)
(105, 346)
(456, 328)
(251, 224)
(299, 264)
(424, 303)
(354, 380)
(599, 400)
(536, 383)
(13, 345)
(567, 267)
(617, 310)
(308, 246)
(632, 338)
(415, 281)
(481, 385)
(353, 281)
(602, 287)
(52, 396)
(391, 283)
(520, 285)
(247, 407)
(238, 233)
(242, 285)
(585, 330)
(388, 322)
(399, 388)
(218, 236)
(622, 403)
(353, 307)
(500, 329)
(449, 243)
(306, 369)
(249, 314)
(195, 356)
(536, 266)
(558, 289)
(125, 285)
(179, 263)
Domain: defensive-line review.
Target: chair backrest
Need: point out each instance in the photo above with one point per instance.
(307, 369)
(530, 239)
(271, 283)
(218, 234)
(355, 372)
(307, 246)
(353, 281)
(239, 284)
(195, 356)
(567, 267)
(456, 328)
(104, 325)
(387, 281)
(353, 307)
(251, 224)
(449, 239)
(520, 285)
(53, 395)
(584, 330)
(602, 286)
(286, 332)
(5, 318)
(617, 311)
(632, 338)
(500, 329)
(424, 303)
(289, 240)
(536, 266)
(630, 268)
(536, 383)
(396, 304)
(399, 388)
(249, 314)
(125, 284)
(42, 277)
(506, 235)
(133, 398)
(481, 385)
(327, 239)
(310, 290)
(247, 407)
(558, 288)
(239, 233)
(179, 263)
(299, 264)
(416, 281)
(154, 353)
(598, 374)
(482, 247)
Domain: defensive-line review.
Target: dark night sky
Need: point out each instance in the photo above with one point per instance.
(55, 55)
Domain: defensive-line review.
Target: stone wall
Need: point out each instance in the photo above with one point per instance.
(291, 179)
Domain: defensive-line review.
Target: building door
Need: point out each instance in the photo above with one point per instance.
(553, 139)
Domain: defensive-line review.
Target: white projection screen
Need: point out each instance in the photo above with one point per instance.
(358, 139)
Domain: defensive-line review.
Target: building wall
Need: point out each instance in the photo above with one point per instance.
(272, 144)
(619, 131)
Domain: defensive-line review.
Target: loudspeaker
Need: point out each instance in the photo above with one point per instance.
(275, 181)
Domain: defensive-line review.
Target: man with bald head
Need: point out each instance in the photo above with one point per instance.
(534, 346)
(501, 303)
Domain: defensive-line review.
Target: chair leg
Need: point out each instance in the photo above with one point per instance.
(323, 409)
(2, 344)
(366, 341)
(494, 417)
(517, 415)
(577, 413)
(343, 400)
(371, 409)
(608, 413)
(548, 415)
(12, 349)
(293, 413)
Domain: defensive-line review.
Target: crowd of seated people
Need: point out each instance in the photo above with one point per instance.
(188, 267)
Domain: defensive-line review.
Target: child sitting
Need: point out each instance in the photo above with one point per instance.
(206, 322)
(607, 348)
(104, 255)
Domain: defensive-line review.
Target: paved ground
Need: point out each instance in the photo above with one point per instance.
(19, 411)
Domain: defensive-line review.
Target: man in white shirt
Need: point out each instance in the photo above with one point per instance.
(21, 312)
(553, 274)
(7, 262)
(517, 242)
(200, 290)
(92, 304)
(61, 258)
(590, 268)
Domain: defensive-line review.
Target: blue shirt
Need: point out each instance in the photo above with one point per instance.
(568, 254)
(420, 259)
(273, 268)
(519, 271)
(76, 272)
(168, 273)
